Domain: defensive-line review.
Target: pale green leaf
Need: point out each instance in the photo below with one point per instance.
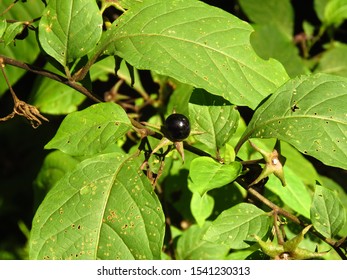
(69, 29)
(97, 212)
(191, 246)
(335, 12)
(238, 224)
(309, 113)
(201, 207)
(3, 25)
(12, 31)
(91, 130)
(196, 44)
(207, 174)
(327, 213)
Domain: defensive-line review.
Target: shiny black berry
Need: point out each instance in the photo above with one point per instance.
(177, 127)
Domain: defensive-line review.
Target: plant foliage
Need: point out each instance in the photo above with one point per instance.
(258, 177)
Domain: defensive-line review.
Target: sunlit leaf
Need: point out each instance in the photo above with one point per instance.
(236, 225)
(104, 209)
(91, 130)
(201, 207)
(69, 29)
(196, 44)
(309, 113)
(208, 174)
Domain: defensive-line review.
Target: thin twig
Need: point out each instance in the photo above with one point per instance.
(52, 76)
(294, 219)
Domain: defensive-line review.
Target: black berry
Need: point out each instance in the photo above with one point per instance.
(177, 127)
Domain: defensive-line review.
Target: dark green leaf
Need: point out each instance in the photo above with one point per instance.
(327, 213)
(54, 98)
(69, 29)
(238, 224)
(273, 12)
(309, 113)
(214, 117)
(269, 41)
(20, 12)
(91, 131)
(334, 60)
(104, 209)
(295, 194)
(191, 246)
(341, 193)
(196, 44)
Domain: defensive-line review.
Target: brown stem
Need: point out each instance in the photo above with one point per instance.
(277, 230)
(51, 75)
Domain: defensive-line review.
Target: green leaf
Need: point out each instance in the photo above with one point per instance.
(54, 98)
(335, 187)
(191, 246)
(69, 29)
(196, 44)
(299, 165)
(12, 31)
(294, 195)
(201, 207)
(238, 224)
(91, 131)
(104, 209)
(334, 60)
(20, 12)
(54, 167)
(214, 117)
(327, 213)
(309, 113)
(273, 12)
(319, 7)
(179, 98)
(207, 174)
(3, 25)
(269, 40)
(335, 12)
